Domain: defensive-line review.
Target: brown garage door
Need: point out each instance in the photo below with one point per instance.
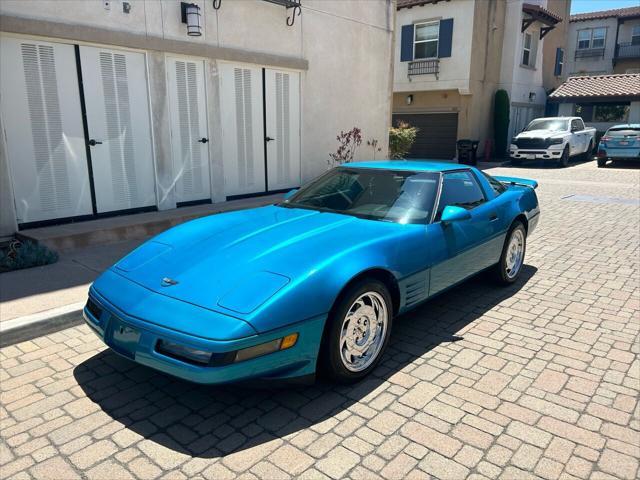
(437, 134)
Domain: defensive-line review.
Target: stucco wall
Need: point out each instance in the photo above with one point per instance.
(342, 49)
(558, 37)
(454, 70)
(519, 80)
(589, 65)
(626, 28)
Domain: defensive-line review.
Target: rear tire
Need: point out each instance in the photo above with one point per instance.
(508, 269)
(357, 332)
(602, 162)
(587, 155)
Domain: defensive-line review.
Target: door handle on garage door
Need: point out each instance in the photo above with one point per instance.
(203, 140)
(93, 143)
(268, 139)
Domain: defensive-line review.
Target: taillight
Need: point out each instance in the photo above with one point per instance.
(605, 139)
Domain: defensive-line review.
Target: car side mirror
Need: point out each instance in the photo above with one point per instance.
(454, 214)
(290, 193)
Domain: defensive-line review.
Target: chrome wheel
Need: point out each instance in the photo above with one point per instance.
(363, 331)
(515, 253)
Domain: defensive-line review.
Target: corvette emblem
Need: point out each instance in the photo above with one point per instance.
(168, 282)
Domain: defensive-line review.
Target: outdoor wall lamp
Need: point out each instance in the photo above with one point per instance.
(409, 99)
(191, 16)
(532, 96)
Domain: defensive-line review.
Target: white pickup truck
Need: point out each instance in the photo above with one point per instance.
(553, 138)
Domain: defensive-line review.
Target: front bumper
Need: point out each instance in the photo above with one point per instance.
(137, 340)
(535, 154)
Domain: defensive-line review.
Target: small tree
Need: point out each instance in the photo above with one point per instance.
(501, 121)
(348, 143)
(401, 139)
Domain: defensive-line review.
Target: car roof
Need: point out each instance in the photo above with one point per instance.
(626, 125)
(421, 165)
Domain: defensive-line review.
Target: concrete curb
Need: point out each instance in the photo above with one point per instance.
(38, 324)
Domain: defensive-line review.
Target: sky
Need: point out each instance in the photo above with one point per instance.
(581, 6)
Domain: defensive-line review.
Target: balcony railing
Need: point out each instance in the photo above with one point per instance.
(424, 67)
(628, 50)
(589, 53)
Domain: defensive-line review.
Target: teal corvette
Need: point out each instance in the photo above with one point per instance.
(314, 282)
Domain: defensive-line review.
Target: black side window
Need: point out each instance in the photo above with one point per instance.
(460, 189)
(496, 186)
(577, 125)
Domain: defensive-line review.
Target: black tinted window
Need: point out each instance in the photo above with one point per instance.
(460, 189)
(396, 196)
(496, 186)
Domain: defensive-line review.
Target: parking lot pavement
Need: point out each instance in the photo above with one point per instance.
(540, 379)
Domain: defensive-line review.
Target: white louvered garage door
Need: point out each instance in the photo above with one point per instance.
(189, 133)
(40, 104)
(282, 103)
(116, 99)
(242, 129)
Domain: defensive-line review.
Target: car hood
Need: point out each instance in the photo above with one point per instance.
(541, 134)
(234, 262)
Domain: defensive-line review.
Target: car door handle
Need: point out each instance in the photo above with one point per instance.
(93, 143)
(203, 140)
(493, 217)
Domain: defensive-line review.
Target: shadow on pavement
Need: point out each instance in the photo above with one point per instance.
(210, 421)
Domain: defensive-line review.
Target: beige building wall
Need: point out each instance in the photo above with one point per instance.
(343, 51)
(557, 37)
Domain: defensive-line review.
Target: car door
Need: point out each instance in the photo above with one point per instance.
(462, 248)
(579, 135)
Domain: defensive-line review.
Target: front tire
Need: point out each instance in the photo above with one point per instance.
(564, 159)
(358, 331)
(508, 269)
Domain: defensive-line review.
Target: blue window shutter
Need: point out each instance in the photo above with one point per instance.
(406, 43)
(445, 38)
(557, 71)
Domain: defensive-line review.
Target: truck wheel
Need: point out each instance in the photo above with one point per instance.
(564, 159)
(589, 152)
(602, 162)
(515, 161)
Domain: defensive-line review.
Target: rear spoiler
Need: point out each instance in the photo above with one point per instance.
(522, 182)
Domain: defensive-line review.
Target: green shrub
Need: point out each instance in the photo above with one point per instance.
(25, 254)
(401, 139)
(501, 122)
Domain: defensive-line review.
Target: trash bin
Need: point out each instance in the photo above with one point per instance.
(467, 150)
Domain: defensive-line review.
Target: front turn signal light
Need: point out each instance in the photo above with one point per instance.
(289, 341)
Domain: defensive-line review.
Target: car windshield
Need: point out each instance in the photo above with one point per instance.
(623, 132)
(393, 196)
(548, 124)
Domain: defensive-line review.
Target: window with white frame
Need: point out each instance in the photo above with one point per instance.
(591, 38)
(635, 35)
(425, 43)
(529, 49)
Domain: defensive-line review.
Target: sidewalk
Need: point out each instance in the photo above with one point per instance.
(36, 294)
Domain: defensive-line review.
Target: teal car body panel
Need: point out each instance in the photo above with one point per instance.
(620, 147)
(235, 280)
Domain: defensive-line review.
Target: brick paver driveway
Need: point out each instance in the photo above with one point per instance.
(537, 380)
